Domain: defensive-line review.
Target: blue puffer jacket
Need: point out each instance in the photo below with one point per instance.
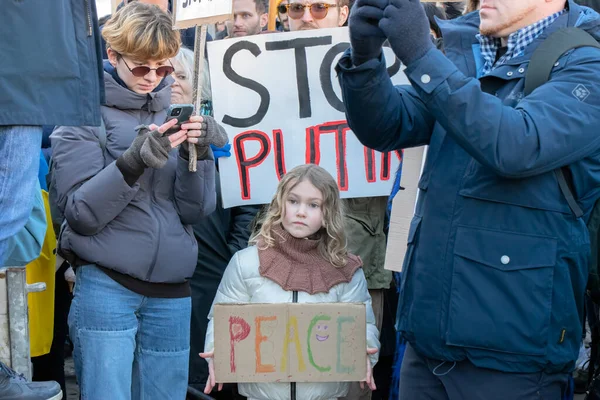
(496, 264)
(51, 71)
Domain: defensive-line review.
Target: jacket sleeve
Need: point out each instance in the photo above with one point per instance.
(554, 126)
(356, 292)
(382, 117)
(232, 289)
(239, 232)
(195, 195)
(89, 195)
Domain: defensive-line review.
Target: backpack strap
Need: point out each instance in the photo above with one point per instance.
(550, 50)
(542, 61)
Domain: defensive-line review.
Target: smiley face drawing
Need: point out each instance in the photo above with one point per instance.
(322, 333)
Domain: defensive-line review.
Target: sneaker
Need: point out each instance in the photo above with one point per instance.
(14, 386)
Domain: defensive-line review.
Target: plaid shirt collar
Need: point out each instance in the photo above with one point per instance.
(517, 42)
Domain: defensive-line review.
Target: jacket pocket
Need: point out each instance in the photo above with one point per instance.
(501, 296)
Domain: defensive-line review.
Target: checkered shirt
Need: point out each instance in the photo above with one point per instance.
(517, 42)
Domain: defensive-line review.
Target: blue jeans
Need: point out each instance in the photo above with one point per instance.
(19, 163)
(127, 346)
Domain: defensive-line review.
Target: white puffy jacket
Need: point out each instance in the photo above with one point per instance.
(242, 283)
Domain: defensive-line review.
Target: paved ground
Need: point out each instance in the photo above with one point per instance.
(72, 388)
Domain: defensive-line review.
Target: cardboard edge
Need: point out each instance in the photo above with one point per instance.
(199, 21)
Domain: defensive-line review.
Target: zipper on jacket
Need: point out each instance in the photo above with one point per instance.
(88, 12)
(293, 384)
(151, 195)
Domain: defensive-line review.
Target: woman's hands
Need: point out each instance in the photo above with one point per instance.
(211, 382)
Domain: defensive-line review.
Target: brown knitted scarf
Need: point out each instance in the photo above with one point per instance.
(296, 264)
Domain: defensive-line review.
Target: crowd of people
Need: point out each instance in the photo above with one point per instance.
(492, 297)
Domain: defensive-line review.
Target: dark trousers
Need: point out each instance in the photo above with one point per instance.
(422, 378)
(51, 366)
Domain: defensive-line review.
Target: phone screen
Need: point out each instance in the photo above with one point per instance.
(180, 112)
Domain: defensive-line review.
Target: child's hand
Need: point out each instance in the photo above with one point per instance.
(369, 380)
(210, 382)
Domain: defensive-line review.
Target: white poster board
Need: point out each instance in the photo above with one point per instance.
(188, 13)
(278, 98)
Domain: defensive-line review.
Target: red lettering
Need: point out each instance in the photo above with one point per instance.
(245, 163)
(279, 153)
(370, 165)
(386, 164)
(239, 330)
(313, 148)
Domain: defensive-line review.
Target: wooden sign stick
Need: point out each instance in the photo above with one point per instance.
(199, 49)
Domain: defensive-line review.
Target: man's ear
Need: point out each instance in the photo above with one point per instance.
(112, 57)
(264, 20)
(344, 10)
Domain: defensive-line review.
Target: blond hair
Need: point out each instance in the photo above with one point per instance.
(332, 244)
(142, 32)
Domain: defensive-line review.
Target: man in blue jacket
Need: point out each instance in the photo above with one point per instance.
(50, 75)
(496, 265)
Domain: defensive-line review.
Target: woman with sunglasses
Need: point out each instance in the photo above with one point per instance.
(129, 200)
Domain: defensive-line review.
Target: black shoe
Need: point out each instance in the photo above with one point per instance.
(14, 386)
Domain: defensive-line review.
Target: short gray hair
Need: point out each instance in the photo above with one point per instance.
(185, 58)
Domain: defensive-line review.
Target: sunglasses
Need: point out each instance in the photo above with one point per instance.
(296, 10)
(162, 71)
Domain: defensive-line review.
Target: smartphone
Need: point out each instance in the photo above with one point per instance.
(180, 112)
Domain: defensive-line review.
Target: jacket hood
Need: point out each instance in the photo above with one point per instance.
(584, 18)
(119, 96)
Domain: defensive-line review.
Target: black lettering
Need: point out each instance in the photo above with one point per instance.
(385, 166)
(325, 75)
(265, 97)
(299, 46)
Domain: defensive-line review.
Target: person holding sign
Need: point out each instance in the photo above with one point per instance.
(496, 267)
(249, 17)
(299, 255)
(364, 217)
(129, 201)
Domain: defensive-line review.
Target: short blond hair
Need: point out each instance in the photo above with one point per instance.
(332, 245)
(142, 32)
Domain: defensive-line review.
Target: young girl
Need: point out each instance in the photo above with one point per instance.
(300, 251)
(129, 205)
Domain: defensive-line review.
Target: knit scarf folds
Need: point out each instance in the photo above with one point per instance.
(296, 264)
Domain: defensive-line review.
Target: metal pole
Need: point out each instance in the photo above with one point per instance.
(18, 323)
(18, 319)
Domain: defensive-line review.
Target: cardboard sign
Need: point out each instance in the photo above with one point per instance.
(403, 207)
(278, 98)
(290, 342)
(188, 13)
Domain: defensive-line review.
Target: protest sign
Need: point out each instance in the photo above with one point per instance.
(188, 13)
(290, 342)
(403, 207)
(278, 98)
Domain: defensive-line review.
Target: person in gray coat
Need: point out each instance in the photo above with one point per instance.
(128, 215)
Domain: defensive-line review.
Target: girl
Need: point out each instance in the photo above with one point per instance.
(300, 250)
(129, 202)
